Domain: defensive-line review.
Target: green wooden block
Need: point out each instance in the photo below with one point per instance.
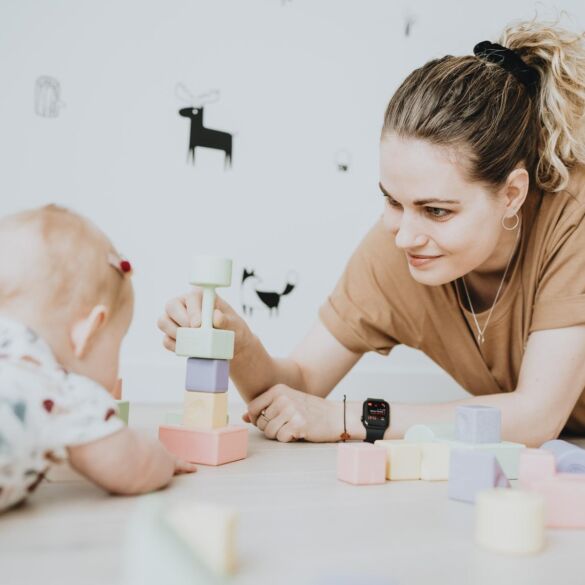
(205, 342)
(173, 417)
(507, 453)
(123, 410)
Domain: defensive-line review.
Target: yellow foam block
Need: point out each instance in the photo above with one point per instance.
(434, 461)
(205, 342)
(402, 459)
(209, 531)
(205, 410)
(510, 521)
(507, 453)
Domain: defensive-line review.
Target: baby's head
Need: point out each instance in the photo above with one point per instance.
(61, 276)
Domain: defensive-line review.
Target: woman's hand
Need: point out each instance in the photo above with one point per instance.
(285, 414)
(185, 311)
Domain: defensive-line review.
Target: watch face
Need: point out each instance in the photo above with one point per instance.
(376, 413)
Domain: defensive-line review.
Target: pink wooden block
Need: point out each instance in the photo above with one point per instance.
(361, 463)
(564, 500)
(207, 447)
(535, 465)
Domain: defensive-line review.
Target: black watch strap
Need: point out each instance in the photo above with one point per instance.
(374, 434)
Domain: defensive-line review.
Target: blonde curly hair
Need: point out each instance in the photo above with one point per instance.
(480, 109)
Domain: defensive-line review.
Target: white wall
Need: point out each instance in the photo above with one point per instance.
(298, 81)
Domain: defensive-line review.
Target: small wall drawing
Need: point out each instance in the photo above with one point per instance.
(253, 297)
(48, 97)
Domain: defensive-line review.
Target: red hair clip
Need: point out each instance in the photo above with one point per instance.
(122, 265)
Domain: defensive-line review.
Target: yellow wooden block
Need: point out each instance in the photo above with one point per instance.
(205, 410)
(402, 459)
(209, 531)
(434, 461)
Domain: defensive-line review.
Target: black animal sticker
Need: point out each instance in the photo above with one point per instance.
(343, 160)
(48, 97)
(199, 135)
(254, 297)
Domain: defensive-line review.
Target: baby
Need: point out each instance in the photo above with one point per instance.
(66, 302)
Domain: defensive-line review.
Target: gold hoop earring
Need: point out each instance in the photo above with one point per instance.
(511, 228)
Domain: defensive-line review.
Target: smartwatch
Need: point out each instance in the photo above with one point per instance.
(376, 418)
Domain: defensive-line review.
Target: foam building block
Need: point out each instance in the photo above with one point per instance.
(434, 461)
(209, 531)
(203, 410)
(478, 424)
(206, 341)
(361, 463)
(535, 465)
(152, 552)
(173, 417)
(507, 453)
(569, 458)
(431, 432)
(471, 471)
(207, 447)
(403, 459)
(564, 500)
(207, 375)
(123, 410)
(510, 521)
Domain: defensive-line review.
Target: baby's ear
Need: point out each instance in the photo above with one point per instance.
(84, 330)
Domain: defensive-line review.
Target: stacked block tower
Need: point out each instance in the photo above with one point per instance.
(204, 436)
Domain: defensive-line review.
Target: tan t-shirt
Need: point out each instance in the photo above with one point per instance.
(377, 304)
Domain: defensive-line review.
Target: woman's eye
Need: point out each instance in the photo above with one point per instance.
(437, 212)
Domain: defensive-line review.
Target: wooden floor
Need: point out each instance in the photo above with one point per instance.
(298, 525)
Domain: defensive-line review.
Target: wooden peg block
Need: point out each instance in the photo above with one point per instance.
(434, 461)
(478, 424)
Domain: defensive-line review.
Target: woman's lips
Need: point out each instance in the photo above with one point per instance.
(417, 260)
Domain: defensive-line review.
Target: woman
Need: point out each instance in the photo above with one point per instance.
(478, 259)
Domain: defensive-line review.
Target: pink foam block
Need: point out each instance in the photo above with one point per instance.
(564, 500)
(361, 463)
(535, 465)
(207, 447)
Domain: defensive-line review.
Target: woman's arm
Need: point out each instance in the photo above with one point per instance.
(315, 366)
(552, 378)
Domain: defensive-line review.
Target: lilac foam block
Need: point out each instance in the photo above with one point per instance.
(473, 471)
(568, 457)
(478, 424)
(206, 375)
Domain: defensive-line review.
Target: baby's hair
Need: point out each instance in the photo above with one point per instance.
(60, 260)
(477, 107)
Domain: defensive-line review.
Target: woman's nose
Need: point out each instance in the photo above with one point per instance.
(407, 235)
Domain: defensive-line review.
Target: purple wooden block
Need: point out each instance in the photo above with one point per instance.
(478, 424)
(204, 375)
(471, 471)
(568, 457)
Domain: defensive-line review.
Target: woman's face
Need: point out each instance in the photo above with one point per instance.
(446, 226)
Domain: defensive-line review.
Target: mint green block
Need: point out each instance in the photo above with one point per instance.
(507, 453)
(205, 342)
(431, 432)
(123, 410)
(173, 417)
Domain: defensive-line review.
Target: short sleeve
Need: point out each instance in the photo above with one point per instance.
(560, 294)
(82, 412)
(357, 312)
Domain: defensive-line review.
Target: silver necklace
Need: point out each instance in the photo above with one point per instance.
(480, 331)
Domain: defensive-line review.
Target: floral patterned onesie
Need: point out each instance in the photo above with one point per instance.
(43, 410)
